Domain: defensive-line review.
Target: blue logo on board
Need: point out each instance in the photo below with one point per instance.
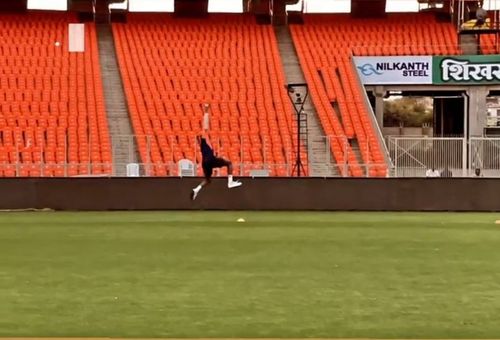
(368, 70)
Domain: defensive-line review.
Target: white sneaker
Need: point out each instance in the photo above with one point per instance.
(234, 184)
(194, 193)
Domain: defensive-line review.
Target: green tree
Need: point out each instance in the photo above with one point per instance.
(407, 111)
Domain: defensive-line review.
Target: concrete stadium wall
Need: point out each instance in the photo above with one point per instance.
(414, 194)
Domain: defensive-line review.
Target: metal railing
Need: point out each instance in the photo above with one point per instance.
(329, 156)
(146, 156)
(413, 156)
(484, 154)
(43, 169)
(152, 155)
(456, 157)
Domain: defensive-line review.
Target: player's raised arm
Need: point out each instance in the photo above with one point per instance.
(206, 121)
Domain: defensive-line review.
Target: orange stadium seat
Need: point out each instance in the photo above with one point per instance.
(490, 44)
(52, 116)
(325, 44)
(171, 67)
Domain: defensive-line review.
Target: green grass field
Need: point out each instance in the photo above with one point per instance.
(283, 274)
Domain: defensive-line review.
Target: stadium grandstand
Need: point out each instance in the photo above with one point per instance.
(94, 88)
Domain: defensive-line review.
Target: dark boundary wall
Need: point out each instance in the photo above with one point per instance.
(415, 194)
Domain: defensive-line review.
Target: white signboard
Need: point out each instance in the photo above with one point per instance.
(394, 70)
(76, 37)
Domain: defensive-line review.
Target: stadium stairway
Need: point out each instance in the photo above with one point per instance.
(320, 162)
(123, 144)
(469, 44)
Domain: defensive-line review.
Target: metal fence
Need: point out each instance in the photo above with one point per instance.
(413, 156)
(484, 154)
(141, 155)
(146, 156)
(461, 157)
(262, 159)
(325, 156)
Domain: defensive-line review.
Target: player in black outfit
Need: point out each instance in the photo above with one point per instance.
(209, 162)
